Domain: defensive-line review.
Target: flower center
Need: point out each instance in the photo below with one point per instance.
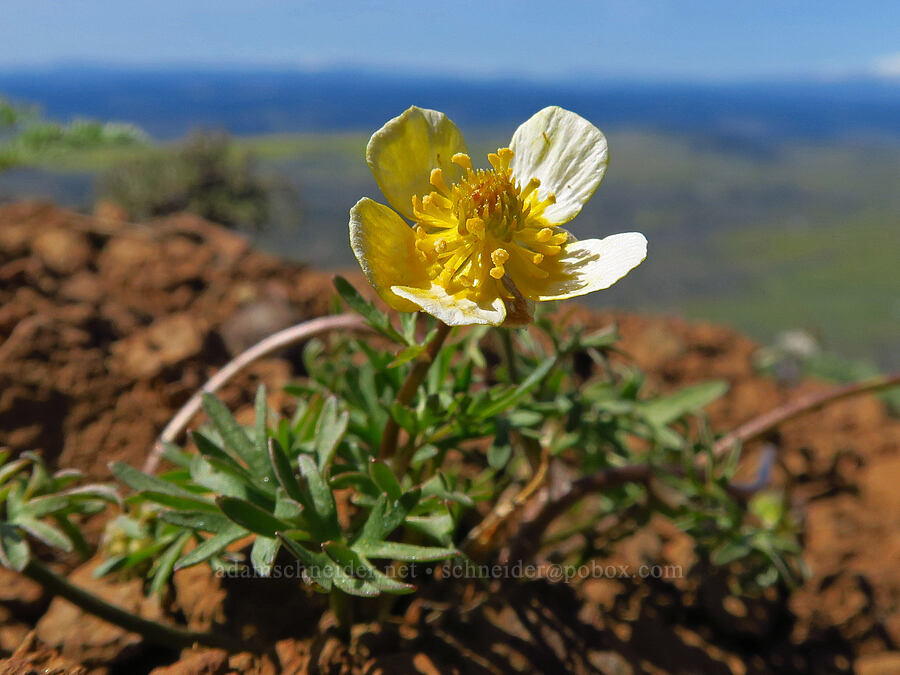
(485, 227)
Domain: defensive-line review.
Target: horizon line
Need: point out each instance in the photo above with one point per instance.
(392, 73)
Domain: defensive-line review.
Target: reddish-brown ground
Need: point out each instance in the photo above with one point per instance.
(107, 328)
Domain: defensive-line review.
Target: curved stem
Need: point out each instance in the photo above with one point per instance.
(804, 405)
(273, 343)
(410, 385)
(157, 633)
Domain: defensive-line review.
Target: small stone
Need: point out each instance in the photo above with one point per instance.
(62, 251)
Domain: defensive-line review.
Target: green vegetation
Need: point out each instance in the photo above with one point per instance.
(207, 175)
(26, 139)
(486, 417)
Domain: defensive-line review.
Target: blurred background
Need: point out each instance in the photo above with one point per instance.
(757, 145)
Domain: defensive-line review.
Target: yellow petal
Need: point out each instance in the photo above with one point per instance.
(453, 310)
(385, 247)
(592, 265)
(566, 153)
(404, 152)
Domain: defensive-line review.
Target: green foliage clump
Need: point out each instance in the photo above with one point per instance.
(317, 486)
(206, 175)
(45, 506)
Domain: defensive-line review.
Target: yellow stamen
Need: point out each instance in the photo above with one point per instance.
(476, 227)
(462, 159)
(544, 235)
(533, 185)
(437, 180)
(499, 256)
(537, 258)
(497, 272)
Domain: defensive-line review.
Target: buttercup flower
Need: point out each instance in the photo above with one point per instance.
(485, 243)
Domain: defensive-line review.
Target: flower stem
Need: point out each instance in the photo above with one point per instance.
(152, 631)
(410, 386)
(506, 345)
(342, 609)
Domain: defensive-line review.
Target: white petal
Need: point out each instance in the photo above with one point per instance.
(595, 264)
(566, 153)
(453, 311)
(404, 151)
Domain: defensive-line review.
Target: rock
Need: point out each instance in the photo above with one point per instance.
(256, 321)
(62, 251)
(32, 658)
(83, 287)
(165, 343)
(879, 664)
(202, 662)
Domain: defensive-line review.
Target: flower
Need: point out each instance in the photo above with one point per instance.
(485, 243)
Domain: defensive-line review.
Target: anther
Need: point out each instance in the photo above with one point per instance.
(476, 227)
(437, 180)
(537, 258)
(462, 159)
(544, 235)
(495, 160)
(499, 256)
(533, 185)
(497, 272)
(440, 246)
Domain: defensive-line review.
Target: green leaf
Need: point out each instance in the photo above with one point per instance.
(407, 354)
(396, 551)
(261, 422)
(284, 474)
(180, 503)
(438, 486)
(329, 431)
(665, 410)
(211, 547)
(235, 437)
(251, 516)
(263, 553)
(141, 482)
(202, 521)
(367, 310)
(166, 563)
(348, 559)
(439, 527)
(404, 417)
(385, 480)
(322, 499)
(217, 477)
(319, 567)
(212, 450)
(44, 506)
(386, 516)
(353, 585)
(498, 456)
(515, 394)
(11, 469)
(45, 533)
(14, 551)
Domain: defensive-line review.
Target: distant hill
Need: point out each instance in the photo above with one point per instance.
(168, 103)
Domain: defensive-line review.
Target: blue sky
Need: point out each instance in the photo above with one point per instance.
(655, 39)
